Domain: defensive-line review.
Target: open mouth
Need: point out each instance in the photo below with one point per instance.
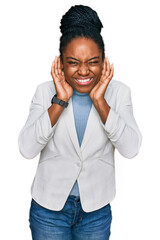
(84, 81)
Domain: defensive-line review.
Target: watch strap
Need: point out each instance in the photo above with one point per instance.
(59, 101)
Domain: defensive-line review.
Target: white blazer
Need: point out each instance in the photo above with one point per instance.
(62, 160)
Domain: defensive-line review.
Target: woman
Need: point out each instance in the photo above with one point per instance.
(75, 123)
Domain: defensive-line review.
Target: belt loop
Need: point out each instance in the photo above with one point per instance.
(77, 199)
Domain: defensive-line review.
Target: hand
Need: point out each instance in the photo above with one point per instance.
(97, 93)
(63, 89)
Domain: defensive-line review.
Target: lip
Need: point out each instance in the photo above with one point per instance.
(82, 81)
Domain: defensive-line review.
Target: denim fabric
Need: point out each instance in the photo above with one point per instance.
(71, 223)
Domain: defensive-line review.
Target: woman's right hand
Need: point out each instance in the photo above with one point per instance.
(63, 89)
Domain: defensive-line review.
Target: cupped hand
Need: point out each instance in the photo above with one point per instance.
(63, 89)
(97, 93)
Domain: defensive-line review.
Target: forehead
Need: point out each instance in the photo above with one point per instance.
(82, 48)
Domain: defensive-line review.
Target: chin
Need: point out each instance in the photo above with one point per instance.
(83, 89)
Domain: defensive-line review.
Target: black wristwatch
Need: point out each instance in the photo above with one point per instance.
(59, 101)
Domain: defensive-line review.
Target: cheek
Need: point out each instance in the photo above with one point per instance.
(68, 73)
(98, 72)
(67, 69)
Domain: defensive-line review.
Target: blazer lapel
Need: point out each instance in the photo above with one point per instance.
(68, 117)
(70, 124)
(92, 121)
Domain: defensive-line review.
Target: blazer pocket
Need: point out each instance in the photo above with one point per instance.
(54, 156)
(108, 159)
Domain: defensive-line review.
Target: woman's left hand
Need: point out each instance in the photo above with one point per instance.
(97, 93)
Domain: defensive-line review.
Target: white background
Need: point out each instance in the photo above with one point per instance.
(28, 44)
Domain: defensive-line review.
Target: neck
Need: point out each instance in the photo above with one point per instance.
(78, 93)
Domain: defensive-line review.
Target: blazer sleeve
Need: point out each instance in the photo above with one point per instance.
(37, 130)
(121, 127)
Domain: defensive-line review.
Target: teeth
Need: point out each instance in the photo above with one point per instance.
(83, 81)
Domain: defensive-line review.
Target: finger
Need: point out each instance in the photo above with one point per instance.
(108, 68)
(52, 68)
(112, 67)
(104, 67)
(111, 72)
(59, 66)
(56, 66)
(59, 69)
(53, 72)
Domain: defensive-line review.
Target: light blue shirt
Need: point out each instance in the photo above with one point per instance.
(81, 108)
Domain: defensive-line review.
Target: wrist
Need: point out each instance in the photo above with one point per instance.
(66, 99)
(102, 108)
(98, 101)
(59, 101)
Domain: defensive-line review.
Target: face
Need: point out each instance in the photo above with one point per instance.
(82, 64)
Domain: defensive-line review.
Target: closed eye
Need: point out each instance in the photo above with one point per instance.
(93, 63)
(73, 63)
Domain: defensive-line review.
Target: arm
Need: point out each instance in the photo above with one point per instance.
(120, 126)
(37, 130)
(102, 108)
(41, 123)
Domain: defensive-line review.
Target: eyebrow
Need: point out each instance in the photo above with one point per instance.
(97, 57)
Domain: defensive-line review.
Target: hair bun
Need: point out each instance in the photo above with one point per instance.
(80, 16)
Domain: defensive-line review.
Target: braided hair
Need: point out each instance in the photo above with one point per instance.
(80, 21)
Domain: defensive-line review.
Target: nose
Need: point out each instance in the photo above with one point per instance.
(83, 70)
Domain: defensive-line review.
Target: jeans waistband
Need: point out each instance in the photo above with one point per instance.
(75, 198)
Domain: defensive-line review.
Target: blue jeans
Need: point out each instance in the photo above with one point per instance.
(71, 223)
